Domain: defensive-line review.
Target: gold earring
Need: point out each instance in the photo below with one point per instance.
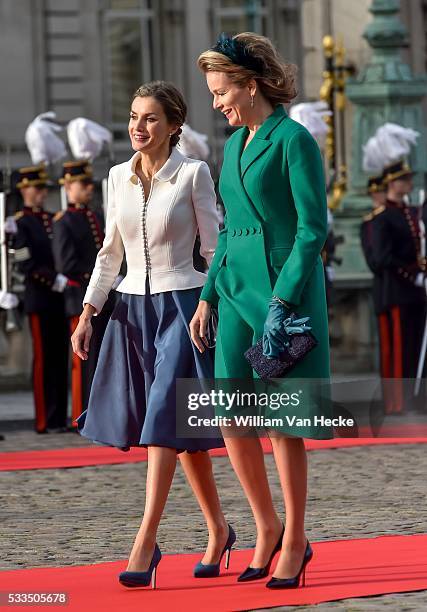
(252, 100)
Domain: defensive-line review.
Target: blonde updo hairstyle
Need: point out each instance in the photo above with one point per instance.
(276, 79)
(171, 100)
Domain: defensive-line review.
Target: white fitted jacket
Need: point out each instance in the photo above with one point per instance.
(156, 234)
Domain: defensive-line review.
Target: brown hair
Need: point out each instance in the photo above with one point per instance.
(276, 79)
(172, 102)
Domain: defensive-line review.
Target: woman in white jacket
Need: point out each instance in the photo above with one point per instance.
(157, 201)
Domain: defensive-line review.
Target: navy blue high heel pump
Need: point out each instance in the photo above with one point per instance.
(142, 579)
(255, 573)
(212, 570)
(292, 583)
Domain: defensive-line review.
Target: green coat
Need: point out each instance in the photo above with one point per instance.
(275, 227)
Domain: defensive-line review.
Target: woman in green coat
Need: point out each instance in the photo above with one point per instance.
(267, 262)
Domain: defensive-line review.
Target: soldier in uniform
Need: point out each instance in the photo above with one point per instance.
(376, 190)
(397, 260)
(378, 193)
(77, 237)
(43, 301)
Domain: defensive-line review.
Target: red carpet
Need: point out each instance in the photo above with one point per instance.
(86, 456)
(339, 570)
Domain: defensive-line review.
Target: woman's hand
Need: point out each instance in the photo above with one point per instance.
(279, 326)
(198, 325)
(82, 334)
(275, 338)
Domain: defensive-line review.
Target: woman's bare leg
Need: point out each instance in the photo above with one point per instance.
(247, 458)
(160, 471)
(198, 470)
(291, 461)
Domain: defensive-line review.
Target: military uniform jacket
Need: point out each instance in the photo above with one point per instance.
(275, 227)
(34, 257)
(366, 237)
(77, 238)
(396, 255)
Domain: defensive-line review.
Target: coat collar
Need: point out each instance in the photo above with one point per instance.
(271, 122)
(72, 207)
(33, 210)
(165, 173)
(260, 142)
(238, 161)
(392, 204)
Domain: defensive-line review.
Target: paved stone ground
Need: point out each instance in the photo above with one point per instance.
(86, 515)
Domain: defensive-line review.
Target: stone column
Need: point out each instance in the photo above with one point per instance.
(384, 90)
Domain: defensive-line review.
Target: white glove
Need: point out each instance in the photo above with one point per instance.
(330, 273)
(10, 226)
(421, 281)
(60, 283)
(8, 300)
(117, 282)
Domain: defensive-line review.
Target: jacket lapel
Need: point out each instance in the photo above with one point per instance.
(233, 171)
(238, 161)
(260, 142)
(254, 150)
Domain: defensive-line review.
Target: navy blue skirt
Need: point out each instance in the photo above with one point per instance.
(146, 347)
